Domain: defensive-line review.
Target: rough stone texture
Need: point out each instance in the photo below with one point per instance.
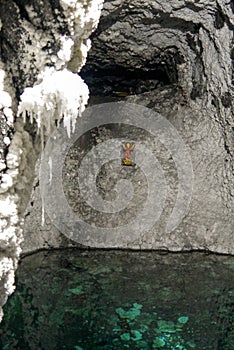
(34, 36)
(175, 57)
(193, 40)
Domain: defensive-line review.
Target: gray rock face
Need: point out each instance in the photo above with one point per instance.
(187, 47)
(175, 57)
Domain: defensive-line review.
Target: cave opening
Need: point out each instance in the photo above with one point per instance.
(116, 80)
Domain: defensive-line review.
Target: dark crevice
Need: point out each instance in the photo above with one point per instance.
(198, 88)
(193, 7)
(232, 5)
(168, 22)
(6, 46)
(23, 13)
(120, 81)
(226, 99)
(113, 79)
(191, 40)
(198, 67)
(222, 17)
(219, 19)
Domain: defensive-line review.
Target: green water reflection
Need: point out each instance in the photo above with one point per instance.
(103, 300)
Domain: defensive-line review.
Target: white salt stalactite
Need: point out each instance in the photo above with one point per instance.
(42, 212)
(50, 167)
(61, 94)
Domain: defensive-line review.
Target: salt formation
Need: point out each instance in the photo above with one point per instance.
(61, 94)
(9, 240)
(52, 43)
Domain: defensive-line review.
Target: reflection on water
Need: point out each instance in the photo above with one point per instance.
(103, 300)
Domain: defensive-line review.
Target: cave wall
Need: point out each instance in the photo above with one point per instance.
(181, 53)
(184, 49)
(192, 43)
(38, 40)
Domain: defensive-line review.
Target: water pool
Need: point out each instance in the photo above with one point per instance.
(104, 300)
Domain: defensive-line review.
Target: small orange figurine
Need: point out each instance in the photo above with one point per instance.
(128, 148)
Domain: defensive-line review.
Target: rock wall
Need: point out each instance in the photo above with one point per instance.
(39, 41)
(186, 48)
(176, 58)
